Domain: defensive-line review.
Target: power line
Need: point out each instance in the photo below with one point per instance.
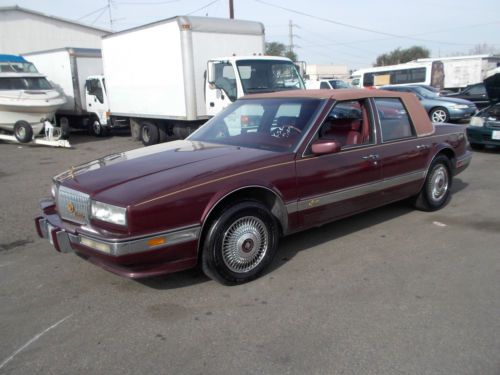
(91, 13)
(354, 26)
(99, 16)
(203, 7)
(146, 2)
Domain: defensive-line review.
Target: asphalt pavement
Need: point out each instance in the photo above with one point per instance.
(389, 291)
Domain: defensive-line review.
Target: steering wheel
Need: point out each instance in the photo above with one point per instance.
(285, 131)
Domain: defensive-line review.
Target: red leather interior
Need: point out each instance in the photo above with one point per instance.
(346, 131)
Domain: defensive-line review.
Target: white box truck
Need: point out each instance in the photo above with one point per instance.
(77, 73)
(166, 78)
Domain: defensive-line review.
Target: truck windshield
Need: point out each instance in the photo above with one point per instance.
(24, 83)
(268, 76)
(269, 124)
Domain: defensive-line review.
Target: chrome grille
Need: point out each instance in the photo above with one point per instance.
(73, 205)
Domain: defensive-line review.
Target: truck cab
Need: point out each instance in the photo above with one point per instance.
(96, 102)
(229, 78)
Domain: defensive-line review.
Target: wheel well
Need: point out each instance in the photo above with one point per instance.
(450, 154)
(263, 195)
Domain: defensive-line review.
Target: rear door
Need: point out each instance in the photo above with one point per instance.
(402, 155)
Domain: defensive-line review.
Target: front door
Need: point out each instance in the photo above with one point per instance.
(336, 185)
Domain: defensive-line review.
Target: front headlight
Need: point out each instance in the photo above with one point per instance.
(109, 213)
(476, 121)
(460, 106)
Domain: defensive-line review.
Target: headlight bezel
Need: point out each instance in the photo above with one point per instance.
(108, 213)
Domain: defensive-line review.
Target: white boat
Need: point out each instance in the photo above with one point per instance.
(27, 99)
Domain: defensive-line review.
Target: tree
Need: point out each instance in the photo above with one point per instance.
(483, 49)
(279, 49)
(401, 56)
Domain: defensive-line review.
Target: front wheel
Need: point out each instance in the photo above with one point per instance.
(436, 190)
(97, 129)
(240, 244)
(439, 114)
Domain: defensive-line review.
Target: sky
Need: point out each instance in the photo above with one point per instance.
(340, 32)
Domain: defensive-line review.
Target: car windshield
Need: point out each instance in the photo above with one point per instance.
(24, 83)
(268, 76)
(268, 124)
(17, 67)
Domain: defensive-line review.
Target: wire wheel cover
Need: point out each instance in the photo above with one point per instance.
(439, 181)
(245, 244)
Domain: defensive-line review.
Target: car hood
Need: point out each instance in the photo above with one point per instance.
(129, 177)
(492, 85)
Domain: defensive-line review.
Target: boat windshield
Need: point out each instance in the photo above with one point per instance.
(268, 124)
(24, 83)
(268, 76)
(17, 67)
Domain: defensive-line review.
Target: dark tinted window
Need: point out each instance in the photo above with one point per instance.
(395, 77)
(24, 83)
(394, 120)
(324, 85)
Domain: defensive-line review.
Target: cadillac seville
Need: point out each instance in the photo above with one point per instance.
(267, 166)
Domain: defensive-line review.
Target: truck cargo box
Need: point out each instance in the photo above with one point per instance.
(158, 70)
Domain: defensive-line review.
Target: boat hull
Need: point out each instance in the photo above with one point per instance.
(32, 107)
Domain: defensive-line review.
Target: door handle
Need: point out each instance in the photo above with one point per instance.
(423, 147)
(371, 157)
(212, 104)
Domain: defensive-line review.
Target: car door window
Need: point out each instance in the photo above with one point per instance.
(393, 118)
(348, 124)
(476, 90)
(324, 85)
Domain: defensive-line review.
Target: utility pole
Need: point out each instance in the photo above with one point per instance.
(290, 36)
(231, 9)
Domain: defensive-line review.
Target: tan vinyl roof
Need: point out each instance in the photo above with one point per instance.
(419, 116)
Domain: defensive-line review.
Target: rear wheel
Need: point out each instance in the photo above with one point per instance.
(439, 114)
(149, 134)
(240, 243)
(23, 131)
(436, 190)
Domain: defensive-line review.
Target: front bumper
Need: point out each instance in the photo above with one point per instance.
(134, 257)
(463, 162)
(482, 135)
(460, 114)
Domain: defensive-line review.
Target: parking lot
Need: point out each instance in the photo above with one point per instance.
(389, 291)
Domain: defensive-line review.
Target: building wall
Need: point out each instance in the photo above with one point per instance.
(22, 32)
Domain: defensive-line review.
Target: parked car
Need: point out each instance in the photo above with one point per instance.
(440, 109)
(484, 127)
(475, 93)
(223, 197)
(331, 84)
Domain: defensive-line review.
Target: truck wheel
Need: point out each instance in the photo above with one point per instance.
(135, 130)
(436, 190)
(240, 243)
(96, 129)
(439, 114)
(23, 131)
(149, 134)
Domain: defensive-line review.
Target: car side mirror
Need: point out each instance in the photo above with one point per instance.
(325, 146)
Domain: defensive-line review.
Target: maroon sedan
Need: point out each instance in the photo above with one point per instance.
(267, 166)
